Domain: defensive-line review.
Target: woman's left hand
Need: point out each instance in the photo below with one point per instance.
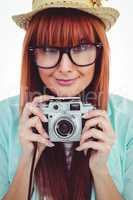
(104, 139)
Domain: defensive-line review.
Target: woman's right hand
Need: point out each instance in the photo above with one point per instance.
(26, 134)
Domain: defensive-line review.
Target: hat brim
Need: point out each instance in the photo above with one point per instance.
(107, 15)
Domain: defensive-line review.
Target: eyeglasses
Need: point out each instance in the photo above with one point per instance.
(82, 55)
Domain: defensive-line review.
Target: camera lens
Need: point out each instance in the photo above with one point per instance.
(64, 128)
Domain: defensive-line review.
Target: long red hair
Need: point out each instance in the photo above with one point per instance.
(61, 26)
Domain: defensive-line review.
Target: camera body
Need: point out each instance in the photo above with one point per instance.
(65, 122)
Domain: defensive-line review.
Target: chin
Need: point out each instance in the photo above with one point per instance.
(67, 93)
(63, 92)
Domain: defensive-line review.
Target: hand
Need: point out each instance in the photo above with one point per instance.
(26, 134)
(103, 139)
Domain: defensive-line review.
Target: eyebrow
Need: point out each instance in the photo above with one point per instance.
(71, 46)
(81, 41)
(85, 40)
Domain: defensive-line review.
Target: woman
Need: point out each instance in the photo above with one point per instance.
(66, 54)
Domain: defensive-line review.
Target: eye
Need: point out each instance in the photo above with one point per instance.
(50, 50)
(81, 47)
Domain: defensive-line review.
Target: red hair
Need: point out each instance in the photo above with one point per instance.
(61, 26)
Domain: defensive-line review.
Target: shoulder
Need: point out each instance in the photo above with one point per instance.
(9, 114)
(8, 105)
(9, 101)
(121, 115)
(119, 105)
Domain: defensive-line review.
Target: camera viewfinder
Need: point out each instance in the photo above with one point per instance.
(75, 106)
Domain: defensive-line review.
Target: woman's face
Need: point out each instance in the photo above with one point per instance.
(67, 79)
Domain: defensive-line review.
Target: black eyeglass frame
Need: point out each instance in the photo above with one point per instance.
(67, 50)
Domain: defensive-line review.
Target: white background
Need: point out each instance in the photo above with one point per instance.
(120, 38)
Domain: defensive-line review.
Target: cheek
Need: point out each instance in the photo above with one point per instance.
(85, 77)
(44, 75)
(89, 74)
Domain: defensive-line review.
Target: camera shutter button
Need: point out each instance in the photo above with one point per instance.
(55, 107)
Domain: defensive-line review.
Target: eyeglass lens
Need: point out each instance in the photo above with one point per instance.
(84, 54)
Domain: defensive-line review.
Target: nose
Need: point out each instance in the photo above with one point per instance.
(65, 64)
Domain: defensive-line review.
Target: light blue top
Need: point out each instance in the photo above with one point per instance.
(120, 162)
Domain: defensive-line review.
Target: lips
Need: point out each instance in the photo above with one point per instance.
(65, 81)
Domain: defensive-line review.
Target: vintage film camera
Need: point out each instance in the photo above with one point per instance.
(65, 122)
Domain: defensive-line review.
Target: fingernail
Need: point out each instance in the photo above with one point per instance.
(85, 152)
(77, 149)
(85, 115)
(51, 96)
(45, 119)
(50, 144)
(46, 135)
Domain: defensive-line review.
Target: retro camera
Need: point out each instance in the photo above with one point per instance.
(65, 122)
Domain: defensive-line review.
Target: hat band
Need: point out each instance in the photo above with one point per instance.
(38, 4)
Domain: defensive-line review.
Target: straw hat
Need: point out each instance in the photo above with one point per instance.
(107, 14)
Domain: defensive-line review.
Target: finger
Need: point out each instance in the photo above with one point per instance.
(85, 152)
(38, 138)
(94, 145)
(100, 121)
(93, 133)
(96, 113)
(42, 98)
(98, 135)
(35, 122)
(29, 109)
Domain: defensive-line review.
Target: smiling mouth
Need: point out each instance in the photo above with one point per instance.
(66, 81)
